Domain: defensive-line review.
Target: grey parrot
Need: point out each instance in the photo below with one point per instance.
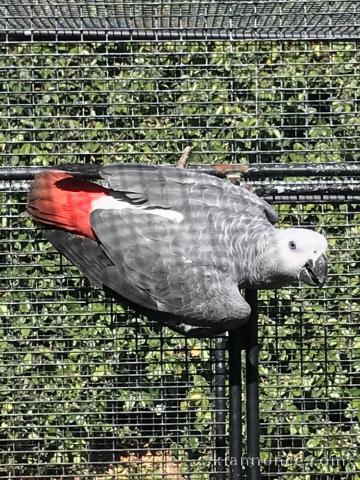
(174, 244)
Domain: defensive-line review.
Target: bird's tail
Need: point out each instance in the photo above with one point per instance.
(59, 199)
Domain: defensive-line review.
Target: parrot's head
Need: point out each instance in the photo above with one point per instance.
(302, 255)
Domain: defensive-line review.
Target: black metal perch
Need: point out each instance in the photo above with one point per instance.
(253, 171)
(252, 390)
(245, 338)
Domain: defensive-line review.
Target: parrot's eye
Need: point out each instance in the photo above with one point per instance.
(292, 245)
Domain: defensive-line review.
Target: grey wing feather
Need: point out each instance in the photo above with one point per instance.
(169, 187)
(133, 234)
(115, 279)
(126, 238)
(85, 253)
(204, 296)
(270, 213)
(150, 273)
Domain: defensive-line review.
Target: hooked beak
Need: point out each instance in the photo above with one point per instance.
(314, 273)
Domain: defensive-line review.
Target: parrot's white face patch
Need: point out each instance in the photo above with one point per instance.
(297, 246)
(111, 203)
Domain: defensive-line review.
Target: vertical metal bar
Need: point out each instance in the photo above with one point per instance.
(252, 389)
(235, 461)
(220, 412)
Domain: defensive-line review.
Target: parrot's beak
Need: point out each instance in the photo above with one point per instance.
(314, 273)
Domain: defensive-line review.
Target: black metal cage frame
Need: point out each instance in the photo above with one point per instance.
(179, 20)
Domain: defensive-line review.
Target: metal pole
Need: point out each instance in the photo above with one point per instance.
(252, 389)
(254, 171)
(69, 34)
(235, 461)
(281, 193)
(220, 409)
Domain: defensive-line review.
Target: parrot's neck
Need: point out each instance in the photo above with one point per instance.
(260, 269)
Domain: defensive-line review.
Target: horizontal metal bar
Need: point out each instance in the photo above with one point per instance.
(335, 193)
(315, 190)
(249, 171)
(264, 170)
(321, 33)
(28, 173)
(303, 199)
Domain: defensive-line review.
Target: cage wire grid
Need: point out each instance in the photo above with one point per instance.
(92, 390)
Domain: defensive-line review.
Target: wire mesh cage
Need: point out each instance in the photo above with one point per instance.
(89, 388)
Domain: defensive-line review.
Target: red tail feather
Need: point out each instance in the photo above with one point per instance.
(59, 199)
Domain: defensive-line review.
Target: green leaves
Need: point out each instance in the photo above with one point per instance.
(81, 374)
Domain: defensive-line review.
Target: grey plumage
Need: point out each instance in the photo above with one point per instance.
(178, 245)
(187, 268)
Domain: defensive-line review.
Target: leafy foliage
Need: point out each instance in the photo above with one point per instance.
(87, 384)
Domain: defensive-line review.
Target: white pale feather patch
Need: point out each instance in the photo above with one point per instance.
(309, 245)
(110, 203)
(170, 214)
